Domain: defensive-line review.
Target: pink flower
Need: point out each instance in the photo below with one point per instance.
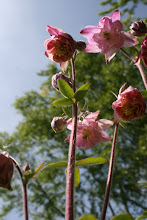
(6, 170)
(60, 47)
(130, 105)
(108, 36)
(143, 52)
(90, 131)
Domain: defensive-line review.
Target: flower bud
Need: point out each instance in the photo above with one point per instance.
(81, 45)
(138, 28)
(26, 168)
(6, 170)
(57, 124)
(130, 105)
(59, 76)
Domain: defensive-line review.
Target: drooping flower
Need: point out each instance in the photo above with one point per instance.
(108, 36)
(60, 47)
(143, 52)
(130, 105)
(138, 28)
(6, 170)
(90, 131)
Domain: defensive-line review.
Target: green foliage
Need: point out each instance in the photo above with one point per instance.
(65, 89)
(144, 216)
(144, 93)
(81, 92)
(122, 217)
(77, 177)
(91, 161)
(62, 102)
(87, 217)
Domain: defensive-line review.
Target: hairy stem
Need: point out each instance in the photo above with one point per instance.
(109, 179)
(71, 157)
(142, 73)
(24, 187)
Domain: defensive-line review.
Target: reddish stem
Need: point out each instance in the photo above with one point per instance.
(109, 179)
(25, 202)
(71, 158)
(142, 73)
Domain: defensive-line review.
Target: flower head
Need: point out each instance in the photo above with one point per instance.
(130, 105)
(90, 131)
(108, 36)
(6, 170)
(57, 124)
(60, 47)
(143, 52)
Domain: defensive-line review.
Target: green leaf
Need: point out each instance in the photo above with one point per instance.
(144, 93)
(81, 92)
(67, 111)
(144, 216)
(55, 165)
(38, 169)
(65, 89)
(77, 177)
(62, 102)
(87, 217)
(144, 184)
(122, 217)
(91, 161)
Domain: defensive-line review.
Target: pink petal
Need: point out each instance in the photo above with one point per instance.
(68, 124)
(88, 30)
(110, 54)
(53, 30)
(64, 65)
(104, 137)
(67, 139)
(93, 116)
(115, 15)
(92, 48)
(104, 123)
(117, 25)
(130, 39)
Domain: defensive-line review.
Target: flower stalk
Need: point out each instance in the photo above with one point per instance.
(142, 73)
(110, 173)
(24, 188)
(71, 156)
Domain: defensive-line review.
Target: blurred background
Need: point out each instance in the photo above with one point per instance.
(25, 125)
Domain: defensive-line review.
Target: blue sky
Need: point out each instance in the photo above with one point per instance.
(23, 32)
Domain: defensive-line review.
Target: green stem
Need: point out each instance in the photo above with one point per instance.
(24, 186)
(71, 157)
(142, 73)
(109, 179)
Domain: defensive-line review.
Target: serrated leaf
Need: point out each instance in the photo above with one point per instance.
(122, 217)
(67, 111)
(77, 177)
(65, 89)
(91, 161)
(62, 102)
(55, 165)
(87, 217)
(81, 92)
(144, 93)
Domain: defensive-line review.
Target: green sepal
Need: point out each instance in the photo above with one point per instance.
(65, 89)
(62, 102)
(67, 111)
(55, 165)
(87, 217)
(122, 217)
(31, 174)
(144, 93)
(91, 161)
(81, 92)
(144, 216)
